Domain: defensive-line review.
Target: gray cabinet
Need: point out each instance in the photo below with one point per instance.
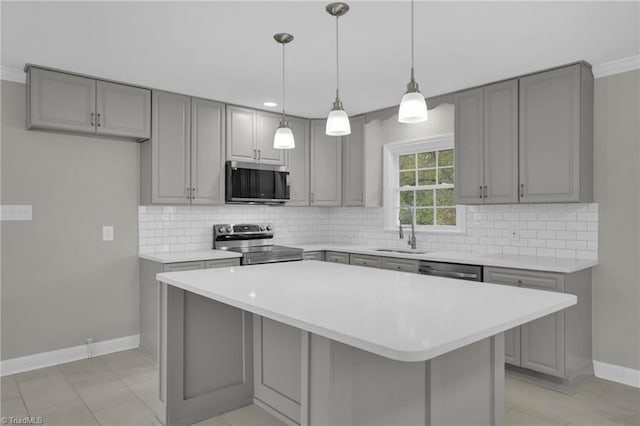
(67, 102)
(183, 161)
(354, 164)
(314, 255)
(250, 136)
(486, 144)
(556, 136)
(277, 365)
(326, 166)
(149, 295)
(403, 265)
(365, 260)
(297, 162)
(336, 257)
(559, 344)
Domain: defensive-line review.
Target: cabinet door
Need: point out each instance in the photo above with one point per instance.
(550, 136)
(365, 260)
(277, 361)
(207, 152)
(354, 163)
(123, 110)
(469, 152)
(170, 148)
(314, 255)
(183, 266)
(501, 143)
(266, 128)
(404, 265)
(326, 167)
(241, 134)
(222, 263)
(337, 257)
(60, 101)
(297, 160)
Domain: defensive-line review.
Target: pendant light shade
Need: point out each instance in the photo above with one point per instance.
(413, 107)
(283, 138)
(338, 120)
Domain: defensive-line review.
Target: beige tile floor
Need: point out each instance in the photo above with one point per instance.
(119, 389)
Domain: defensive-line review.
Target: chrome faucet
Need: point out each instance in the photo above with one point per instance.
(412, 238)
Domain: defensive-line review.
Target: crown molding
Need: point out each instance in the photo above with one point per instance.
(12, 74)
(616, 67)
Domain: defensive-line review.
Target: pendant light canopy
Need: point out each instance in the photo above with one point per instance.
(283, 138)
(338, 120)
(413, 107)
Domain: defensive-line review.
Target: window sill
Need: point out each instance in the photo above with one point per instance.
(429, 231)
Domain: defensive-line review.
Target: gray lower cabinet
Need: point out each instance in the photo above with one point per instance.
(556, 135)
(67, 102)
(313, 255)
(149, 295)
(397, 264)
(336, 257)
(354, 163)
(277, 366)
(183, 161)
(559, 344)
(486, 144)
(326, 166)
(365, 260)
(297, 161)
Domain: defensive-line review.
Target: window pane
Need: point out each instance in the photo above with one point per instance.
(424, 198)
(408, 178)
(446, 217)
(445, 175)
(445, 158)
(424, 216)
(407, 162)
(426, 159)
(406, 198)
(405, 216)
(444, 197)
(426, 177)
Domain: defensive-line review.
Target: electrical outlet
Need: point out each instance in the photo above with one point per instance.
(107, 233)
(88, 340)
(514, 233)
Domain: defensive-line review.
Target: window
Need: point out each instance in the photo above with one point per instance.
(421, 175)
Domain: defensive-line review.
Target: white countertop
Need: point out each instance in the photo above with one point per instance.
(534, 263)
(403, 316)
(189, 256)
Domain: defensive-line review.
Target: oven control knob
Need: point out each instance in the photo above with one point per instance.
(269, 228)
(222, 229)
(262, 227)
(229, 230)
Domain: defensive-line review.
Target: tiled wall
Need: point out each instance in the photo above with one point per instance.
(556, 230)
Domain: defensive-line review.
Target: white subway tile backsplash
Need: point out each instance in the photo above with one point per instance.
(557, 230)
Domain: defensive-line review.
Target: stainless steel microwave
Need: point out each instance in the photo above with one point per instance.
(251, 183)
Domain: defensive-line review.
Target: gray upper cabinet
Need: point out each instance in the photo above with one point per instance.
(354, 163)
(250, 136)
(123, 110)
(183, 161)
(556, 135)
(67, 102)
(326, 166)
(297, 161)
(486, 144)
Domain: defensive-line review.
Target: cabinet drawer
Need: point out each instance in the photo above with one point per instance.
(403, 265)
(314, 255)
(529, 279)
(364, 260)
(337, 257)
(222, 263)
(183, 266)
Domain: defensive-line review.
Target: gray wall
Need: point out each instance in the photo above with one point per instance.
(60, 282)
(616, 281)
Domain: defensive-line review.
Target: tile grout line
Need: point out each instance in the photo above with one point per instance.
(131, 390)
(20, 392)
(80, 396)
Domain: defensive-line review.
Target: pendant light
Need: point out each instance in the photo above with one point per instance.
(338, 120)
(283, 138)
(413, 107)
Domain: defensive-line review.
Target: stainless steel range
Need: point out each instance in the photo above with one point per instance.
(253, 241)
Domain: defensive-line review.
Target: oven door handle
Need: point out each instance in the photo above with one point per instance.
(448, 274)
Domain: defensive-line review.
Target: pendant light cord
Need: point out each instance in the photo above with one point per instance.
(337, 62)
(412, 61)
(283, 86)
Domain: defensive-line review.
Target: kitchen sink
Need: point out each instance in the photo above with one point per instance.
(401, 251)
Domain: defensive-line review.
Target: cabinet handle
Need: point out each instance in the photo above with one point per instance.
(521, 190)
(480, 191)
(255, 154)
(259, 155)
(186, 194)
(93, 123)
(99, 121)
(485, 191)
(193, 193)
(313, 197)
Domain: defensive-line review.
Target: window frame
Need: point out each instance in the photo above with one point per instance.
(391, 185)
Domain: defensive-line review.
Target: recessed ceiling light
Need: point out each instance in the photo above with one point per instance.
(270, 104)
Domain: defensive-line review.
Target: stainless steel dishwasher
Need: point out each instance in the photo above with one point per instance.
(451, 270)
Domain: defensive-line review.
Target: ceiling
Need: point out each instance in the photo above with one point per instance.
(225, 50)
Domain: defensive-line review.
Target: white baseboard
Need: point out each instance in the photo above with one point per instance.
(616, 373)
(60, 356)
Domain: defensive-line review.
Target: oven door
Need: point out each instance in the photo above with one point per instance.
(256, 183)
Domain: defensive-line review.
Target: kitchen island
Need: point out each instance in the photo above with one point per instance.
(360, 346)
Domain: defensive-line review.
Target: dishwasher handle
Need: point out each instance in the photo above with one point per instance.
(448, 274)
